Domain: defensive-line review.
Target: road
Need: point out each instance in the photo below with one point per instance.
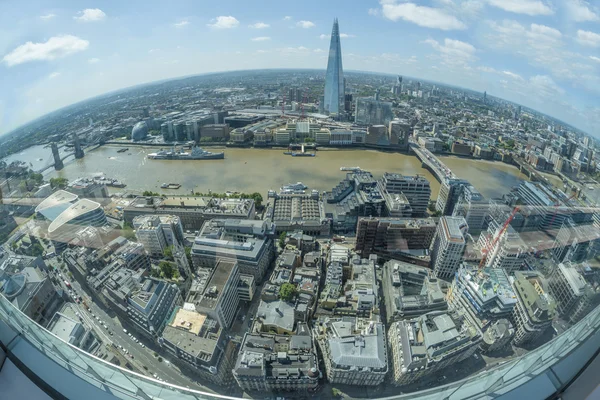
(142, 356)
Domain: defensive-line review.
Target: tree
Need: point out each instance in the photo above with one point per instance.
(150, 193)
(37, 250)
(59, 183)
(128, 233)
(188, 254)
(258, 199)
(282, 237)
(287, 291)
(168, 252)
(167, 269)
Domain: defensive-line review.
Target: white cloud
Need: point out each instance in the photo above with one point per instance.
(260, 39)
(181, 23)
(287, 18)
(53, 48)
(259, 25)
(224, 22)
(93, 60)
(305, 24)
(373, 11)
(90, 15)
(594, 58)
(513, 75)
(46, 17)
(153, 51)
(527, 7)
(545, 86)
(579, 11)
(53, 75)
(587, 38)
(323, 51)
(428, 17)
(454, 52)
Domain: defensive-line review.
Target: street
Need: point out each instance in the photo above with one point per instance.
(142, 356)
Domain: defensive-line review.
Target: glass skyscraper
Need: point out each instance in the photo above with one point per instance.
(334, 79)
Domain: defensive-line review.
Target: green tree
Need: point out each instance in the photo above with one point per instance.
(59, 183)
(188, 254)
(167, 269)
(128, 233)
(258, 199)
(282, 237)
(150, 193)
(168, 252)
(287, 291)
(37, 250)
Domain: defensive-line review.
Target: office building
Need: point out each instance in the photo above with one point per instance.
(575, 243)
(400, 131)
(215, 132)
(333, 98)
(214, 292)
(386, 236)
(277, 363)
(84, 212)
(150, 305)
(450, 191)
(484, 296)
(72, 331)
(424, 345)
(509, 252)
(201, 343)
(249, 242)
(88, 188)
(52, 206)
(139, 131)
(157, 232)
(370, 111)
(25, 283)
(416, 189)
(410, 291)
(535, 308)
(473, 207)
(575, 296)
(354, 350)
(298, 212)
(191, 210)
(88, 237)
(448, 246)
(377, 135)
(358, 195)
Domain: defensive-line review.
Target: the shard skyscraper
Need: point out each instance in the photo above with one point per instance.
(334, 79)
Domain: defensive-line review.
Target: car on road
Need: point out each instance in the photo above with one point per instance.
(124, 330)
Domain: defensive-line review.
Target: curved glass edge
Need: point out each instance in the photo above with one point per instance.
(550, 367)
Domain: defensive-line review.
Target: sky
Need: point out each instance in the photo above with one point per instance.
(544, 54)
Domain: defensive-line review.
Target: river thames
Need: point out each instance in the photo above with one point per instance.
(258, 170)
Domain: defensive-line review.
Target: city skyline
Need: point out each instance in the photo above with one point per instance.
(541, 55)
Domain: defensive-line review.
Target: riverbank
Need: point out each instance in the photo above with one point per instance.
(260, 170)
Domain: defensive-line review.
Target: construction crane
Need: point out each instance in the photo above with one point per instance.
(487, 249)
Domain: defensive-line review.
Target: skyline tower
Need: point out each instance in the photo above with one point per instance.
(334, 79)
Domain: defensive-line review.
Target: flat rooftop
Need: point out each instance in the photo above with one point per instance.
(190, 321)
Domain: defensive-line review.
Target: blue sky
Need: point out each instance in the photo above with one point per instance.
(541, 53)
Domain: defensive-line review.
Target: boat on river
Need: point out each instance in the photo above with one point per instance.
(196, 154)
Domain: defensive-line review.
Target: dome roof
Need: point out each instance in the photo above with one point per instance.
(139, 131)
(14, 285)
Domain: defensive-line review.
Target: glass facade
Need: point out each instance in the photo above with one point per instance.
(334, 78)
(71, 372)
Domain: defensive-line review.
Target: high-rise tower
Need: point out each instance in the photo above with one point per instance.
(334, 79)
